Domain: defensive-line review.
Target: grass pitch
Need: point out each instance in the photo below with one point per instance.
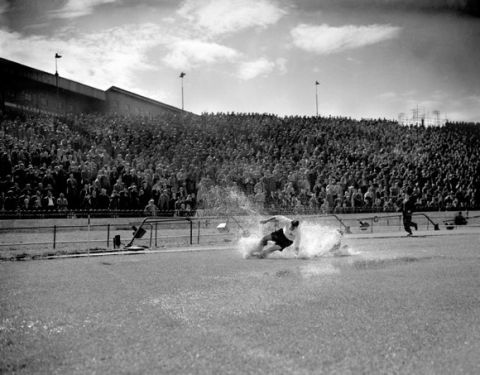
(400, 305)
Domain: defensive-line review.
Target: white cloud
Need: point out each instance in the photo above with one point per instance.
(251, 69)
(325, 39)
(281, 65)
(186, 54)
(78, 8)
(111, 57)
(227, 16)
(155, 94)
(353, 60)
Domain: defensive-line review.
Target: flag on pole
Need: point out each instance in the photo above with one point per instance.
(57, 56)
(182, 74)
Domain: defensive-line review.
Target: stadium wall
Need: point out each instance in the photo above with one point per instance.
(27, 89)
(124, 102)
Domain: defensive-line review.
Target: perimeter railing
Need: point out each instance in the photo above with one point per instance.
(82, 213)
(160, 232)
(121, 233)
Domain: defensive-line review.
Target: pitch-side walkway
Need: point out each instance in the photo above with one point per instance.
(231, 245)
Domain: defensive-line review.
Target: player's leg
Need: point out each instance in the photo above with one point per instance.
(269, 249)
(337, 244)
(411, 224)
(257, 250)
(406, 225)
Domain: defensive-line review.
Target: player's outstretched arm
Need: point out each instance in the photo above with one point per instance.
(276, 218)
(273, 218)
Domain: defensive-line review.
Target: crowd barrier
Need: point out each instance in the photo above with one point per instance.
(150, 232)
(108, 213)
(72, 214)
(169, 231)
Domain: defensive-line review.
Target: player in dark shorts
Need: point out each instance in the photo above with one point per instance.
(282, 238)
(408, 206)
(279, 238)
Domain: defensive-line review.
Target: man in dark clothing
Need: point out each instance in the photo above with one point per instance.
(460, 219)
(408, 206)
(103, 200)
(49, 201)
(10, 203)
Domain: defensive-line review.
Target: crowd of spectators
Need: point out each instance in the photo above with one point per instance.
(168, 164)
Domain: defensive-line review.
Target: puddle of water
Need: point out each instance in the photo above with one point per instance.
(366, 264)
(318, 269)
(333, 267)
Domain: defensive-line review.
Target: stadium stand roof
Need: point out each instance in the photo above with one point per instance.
(12, 68)
(19, 81)
(142, 98)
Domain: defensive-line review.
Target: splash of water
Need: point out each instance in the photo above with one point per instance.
(228, 201)
(246, 245)
(243, 202)
(316, 241)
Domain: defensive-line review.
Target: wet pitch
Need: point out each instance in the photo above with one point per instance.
(399, 305)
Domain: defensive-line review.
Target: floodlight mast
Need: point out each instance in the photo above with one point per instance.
(182, 74)
(57, 56)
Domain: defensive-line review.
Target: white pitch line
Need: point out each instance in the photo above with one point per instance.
(181, 250)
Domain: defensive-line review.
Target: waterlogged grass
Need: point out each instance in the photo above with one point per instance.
(39, 245)
(365, 264)
(15, 255)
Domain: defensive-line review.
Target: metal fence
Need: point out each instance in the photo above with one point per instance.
(156, 232)
(70, 214)
(166, 232)
(108, 213)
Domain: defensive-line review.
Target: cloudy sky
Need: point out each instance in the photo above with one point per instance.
(372, 58)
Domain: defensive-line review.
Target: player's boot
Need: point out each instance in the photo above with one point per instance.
(337, 245)
(253, 254)
(261, 255)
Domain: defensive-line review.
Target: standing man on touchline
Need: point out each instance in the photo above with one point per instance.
(408, 205)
